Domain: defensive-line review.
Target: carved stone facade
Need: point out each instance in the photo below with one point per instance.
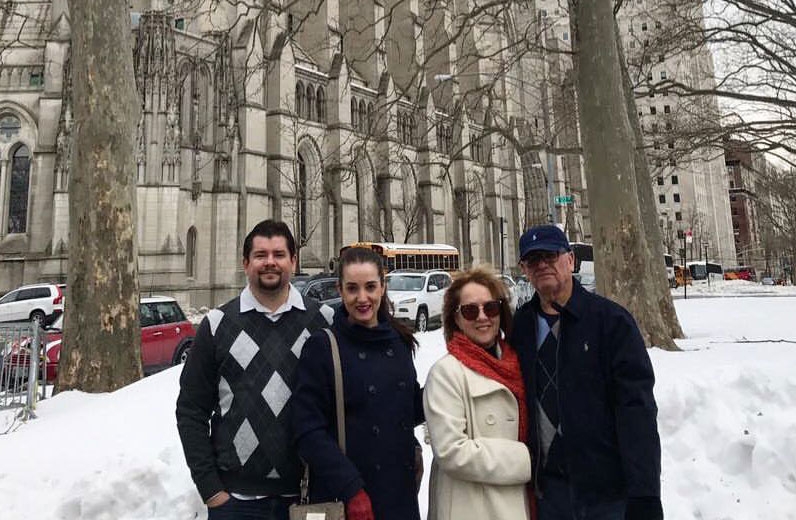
(321, 115)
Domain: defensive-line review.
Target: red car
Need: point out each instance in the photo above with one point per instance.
(166, 338)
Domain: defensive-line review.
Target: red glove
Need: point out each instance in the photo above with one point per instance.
(359, 507)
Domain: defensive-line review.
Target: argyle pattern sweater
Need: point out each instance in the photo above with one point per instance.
(232, 411)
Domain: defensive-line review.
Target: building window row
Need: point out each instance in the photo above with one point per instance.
(662, 198)
(310, 102)
(407, 128)
(478, 149)
(361, 115)
(444, 138)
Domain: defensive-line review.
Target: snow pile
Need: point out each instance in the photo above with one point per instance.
(727, 422)
(728, 431)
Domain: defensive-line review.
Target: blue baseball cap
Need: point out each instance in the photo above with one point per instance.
(546, 237)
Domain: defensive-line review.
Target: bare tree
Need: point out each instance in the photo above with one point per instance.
(609, 146)
(776, 206)
(102, 332)
(754, 77)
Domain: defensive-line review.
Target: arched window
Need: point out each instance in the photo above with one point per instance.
(363, 116)
(18, 193)
(320, 101)
(302, 202)
(370, 116)
(355, 113)
(186, 108)
(411, 131)
(299, 99)
(204, 117)
(310, 103)
(190, 253)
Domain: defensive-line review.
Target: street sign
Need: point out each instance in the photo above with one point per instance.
(565, 199)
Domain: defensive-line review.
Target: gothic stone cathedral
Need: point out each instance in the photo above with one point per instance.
(349, 119)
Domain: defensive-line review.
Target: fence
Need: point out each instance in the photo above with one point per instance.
(17, 342)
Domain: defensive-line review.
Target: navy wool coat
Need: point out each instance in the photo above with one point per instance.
(611, 445)
(383, 404)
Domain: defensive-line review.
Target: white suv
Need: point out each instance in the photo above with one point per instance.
(417, 296)
(41, 302)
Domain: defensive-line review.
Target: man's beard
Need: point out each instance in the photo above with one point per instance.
(269, 286)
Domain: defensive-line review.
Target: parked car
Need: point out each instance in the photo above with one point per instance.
(768, 281)
(587, 280)
(320, 287)
(511, 285)
(417, 296)
(299, 280)
(40, 302)
(166, 339)
(524, 290)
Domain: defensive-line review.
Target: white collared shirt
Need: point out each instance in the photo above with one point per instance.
(249, 303)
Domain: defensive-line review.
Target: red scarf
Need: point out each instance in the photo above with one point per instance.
(505, 370)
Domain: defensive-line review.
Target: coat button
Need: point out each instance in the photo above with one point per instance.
(490, 419)
(404, 426)
(377, 467)
(363, 355)
(390, 352)
(376, 431)
(372, 389)
(401, 384)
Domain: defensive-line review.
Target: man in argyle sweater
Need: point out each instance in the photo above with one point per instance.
(235, 388)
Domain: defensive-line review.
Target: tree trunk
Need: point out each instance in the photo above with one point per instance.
(101, 348)
(659, 283)
(609, 146)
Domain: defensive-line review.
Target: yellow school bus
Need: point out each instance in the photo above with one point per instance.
(413, 256)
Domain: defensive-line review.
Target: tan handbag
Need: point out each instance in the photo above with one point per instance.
(325, 510)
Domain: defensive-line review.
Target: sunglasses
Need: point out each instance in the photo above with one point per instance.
(534, 259)
(470, 311)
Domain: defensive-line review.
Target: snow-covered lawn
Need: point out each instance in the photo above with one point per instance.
(727, 422)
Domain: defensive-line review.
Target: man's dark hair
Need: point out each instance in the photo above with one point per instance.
(269, 228)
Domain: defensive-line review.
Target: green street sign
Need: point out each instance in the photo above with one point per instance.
(565, 199)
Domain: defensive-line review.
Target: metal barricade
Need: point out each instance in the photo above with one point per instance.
(20, 379)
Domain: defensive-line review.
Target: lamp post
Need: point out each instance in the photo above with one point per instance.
(705, 245)
(551, 208)
(549, 176)
(685, 268)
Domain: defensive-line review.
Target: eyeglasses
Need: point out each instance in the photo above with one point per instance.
(470, 311)
(534, 259)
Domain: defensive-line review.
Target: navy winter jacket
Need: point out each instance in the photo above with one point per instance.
(383, 404)
(607, 408)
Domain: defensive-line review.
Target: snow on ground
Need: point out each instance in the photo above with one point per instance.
(727, 419)
(724, 288)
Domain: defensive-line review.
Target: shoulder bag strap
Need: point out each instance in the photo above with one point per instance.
(339, 408)
(339, 398)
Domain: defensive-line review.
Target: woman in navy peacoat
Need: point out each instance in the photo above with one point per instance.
(383, 402)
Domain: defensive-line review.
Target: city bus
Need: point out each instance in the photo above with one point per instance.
(584, 265)
(584, 257)
(702, 271)
(743, 272)
(413, 256)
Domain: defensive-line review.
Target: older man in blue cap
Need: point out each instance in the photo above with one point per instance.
(594, 435)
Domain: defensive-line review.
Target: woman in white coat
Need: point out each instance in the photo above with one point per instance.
(474, 402)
